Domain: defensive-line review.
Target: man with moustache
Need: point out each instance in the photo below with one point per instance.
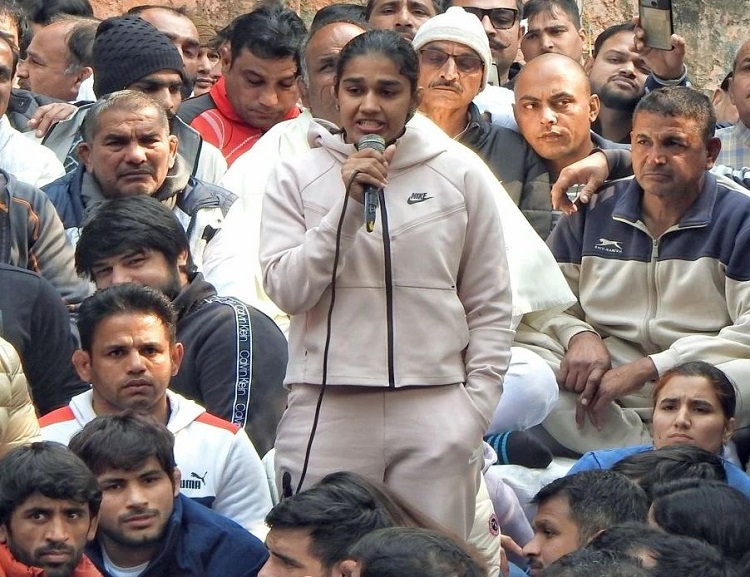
(126, 150)
(555, 109)
(231, 260)
(657, 282)
(623, 69)
(131, 54)
(129, 353)
(454, 66)
(49, 507)
(147, 528)
(501, 20)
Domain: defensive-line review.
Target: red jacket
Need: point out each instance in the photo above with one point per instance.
(9, 567)
(213, 116)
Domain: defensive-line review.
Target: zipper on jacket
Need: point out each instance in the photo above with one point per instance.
(652, 293)
(388, 285)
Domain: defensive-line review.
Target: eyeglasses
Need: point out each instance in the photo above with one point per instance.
(466, 63)
(500, 18)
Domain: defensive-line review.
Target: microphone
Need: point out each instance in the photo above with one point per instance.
(374, 142)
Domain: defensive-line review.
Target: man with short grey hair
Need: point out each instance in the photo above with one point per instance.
(127, 149)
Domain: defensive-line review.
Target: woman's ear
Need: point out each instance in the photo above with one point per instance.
(346, 568)
(728, 430)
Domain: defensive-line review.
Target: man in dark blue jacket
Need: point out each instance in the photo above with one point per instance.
(127, 150)
(146, 527)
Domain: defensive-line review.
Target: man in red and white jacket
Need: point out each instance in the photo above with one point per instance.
(259, 86)
(129, 354)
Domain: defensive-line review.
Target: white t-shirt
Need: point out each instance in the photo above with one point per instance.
(117, 571)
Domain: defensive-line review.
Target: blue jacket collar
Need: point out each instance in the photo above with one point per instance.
(628, 204)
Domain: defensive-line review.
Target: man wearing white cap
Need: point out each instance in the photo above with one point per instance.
(455, 62)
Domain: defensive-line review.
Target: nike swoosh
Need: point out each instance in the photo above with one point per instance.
(417, 200)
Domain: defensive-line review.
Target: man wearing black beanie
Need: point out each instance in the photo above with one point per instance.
(130, 53)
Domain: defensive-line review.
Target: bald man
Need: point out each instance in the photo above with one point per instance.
(555, 109)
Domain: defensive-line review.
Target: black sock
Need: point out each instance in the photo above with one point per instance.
(520, 448)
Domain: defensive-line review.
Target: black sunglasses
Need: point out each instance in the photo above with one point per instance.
(466, 63)
(500, 18)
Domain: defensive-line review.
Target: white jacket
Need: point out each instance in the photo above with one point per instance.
(422, 300)
(28, 161)
(219, 465)
(230, 260)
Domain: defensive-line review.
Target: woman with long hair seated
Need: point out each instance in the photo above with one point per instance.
(694, 403)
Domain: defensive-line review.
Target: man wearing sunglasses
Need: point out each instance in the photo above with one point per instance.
(502, 24)
(454, 66)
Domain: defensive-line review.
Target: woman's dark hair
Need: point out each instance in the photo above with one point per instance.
(49, 469)
(413, 552)
(724, 389)
(124, 441)
(660, 466)
(711, 511)
(387, 43)
(402, 513)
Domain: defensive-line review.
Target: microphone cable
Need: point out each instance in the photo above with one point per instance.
(329, 318)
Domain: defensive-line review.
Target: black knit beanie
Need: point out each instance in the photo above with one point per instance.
(128, 48)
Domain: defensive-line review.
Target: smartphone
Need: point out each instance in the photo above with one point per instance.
(656, 21)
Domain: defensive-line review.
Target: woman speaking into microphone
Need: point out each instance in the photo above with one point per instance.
(399, 337)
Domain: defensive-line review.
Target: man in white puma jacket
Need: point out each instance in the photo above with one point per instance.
(128, 355)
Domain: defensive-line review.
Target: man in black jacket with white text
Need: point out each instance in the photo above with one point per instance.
(235, 356)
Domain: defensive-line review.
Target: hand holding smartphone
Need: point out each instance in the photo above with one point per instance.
(656, 21)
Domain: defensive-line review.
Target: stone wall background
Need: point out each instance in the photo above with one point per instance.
(714, 29)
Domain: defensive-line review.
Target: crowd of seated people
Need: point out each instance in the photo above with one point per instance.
(416, 287)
